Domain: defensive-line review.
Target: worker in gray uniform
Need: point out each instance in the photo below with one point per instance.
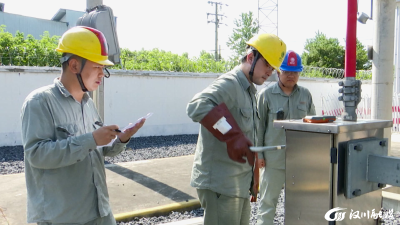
(284, 100)
(226, 109)
(65, 141)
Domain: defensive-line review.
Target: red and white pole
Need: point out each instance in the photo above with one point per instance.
(351, 87)
(351, 40)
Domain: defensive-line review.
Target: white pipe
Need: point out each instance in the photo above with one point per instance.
(267, 148)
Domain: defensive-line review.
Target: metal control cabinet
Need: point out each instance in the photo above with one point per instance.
(316, 170)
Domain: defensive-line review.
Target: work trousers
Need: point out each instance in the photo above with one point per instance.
(224, 210)
(107, 220)
(271, 183)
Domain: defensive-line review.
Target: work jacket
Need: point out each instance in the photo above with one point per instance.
(212, 167)
(270, 100)
(64, 168)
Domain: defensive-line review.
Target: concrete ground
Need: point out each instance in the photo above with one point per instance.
(136, 188)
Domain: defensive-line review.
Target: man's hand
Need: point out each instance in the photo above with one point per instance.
(128, 133)
(104, 135)
(261, 163)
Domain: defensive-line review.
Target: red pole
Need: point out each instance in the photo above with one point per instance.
(351, 39)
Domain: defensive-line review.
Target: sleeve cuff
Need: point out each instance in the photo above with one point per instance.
(88, 142)
(119, 141)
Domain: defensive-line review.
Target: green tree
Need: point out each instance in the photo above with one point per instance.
(321, 51)
(20, 51)
(246, 28)
(362, 57)
(159, 60)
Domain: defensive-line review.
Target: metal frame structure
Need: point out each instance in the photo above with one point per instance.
(268, 16)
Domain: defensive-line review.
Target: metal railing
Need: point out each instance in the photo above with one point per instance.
(334, 73)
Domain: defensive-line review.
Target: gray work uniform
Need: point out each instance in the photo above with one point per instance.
(64, 168)
(295, 106)
(212, 167)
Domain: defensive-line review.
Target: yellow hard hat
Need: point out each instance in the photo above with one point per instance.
(87, 43)
(271, 47)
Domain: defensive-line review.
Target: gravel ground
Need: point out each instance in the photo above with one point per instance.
(11, 161)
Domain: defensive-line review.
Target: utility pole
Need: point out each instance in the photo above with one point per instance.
(383, 57)
(218, 17)
(382, 62)
(97, 95)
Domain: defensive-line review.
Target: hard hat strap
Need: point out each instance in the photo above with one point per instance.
(256, 56)
(65, 57)
(78, 75)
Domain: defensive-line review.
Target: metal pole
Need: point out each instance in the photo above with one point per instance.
(351, 87)
(277, 17)
(97, 95)
(216, 32)
(258, 16)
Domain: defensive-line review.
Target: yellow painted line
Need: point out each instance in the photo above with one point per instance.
(159, 210)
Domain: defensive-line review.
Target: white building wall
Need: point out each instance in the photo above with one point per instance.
(130, 95)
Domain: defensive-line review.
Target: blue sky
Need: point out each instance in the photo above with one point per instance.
(181, 25)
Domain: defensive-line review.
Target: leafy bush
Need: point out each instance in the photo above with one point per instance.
(19, 51)
(159, 60)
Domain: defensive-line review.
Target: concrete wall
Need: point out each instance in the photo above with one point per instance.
(130, 95)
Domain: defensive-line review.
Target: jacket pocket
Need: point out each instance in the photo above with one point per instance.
(302, 109)
(66, 130)
(272, 114)
(246, 119)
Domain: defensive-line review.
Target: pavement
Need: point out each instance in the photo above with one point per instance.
(142, 188)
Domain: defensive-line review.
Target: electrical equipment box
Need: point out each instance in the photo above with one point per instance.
(335, 166)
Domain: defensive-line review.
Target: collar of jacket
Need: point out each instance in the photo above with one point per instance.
(65, 92)
(244, 81)
(276, 89)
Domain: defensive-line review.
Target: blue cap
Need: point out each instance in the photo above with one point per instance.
(292, 62)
